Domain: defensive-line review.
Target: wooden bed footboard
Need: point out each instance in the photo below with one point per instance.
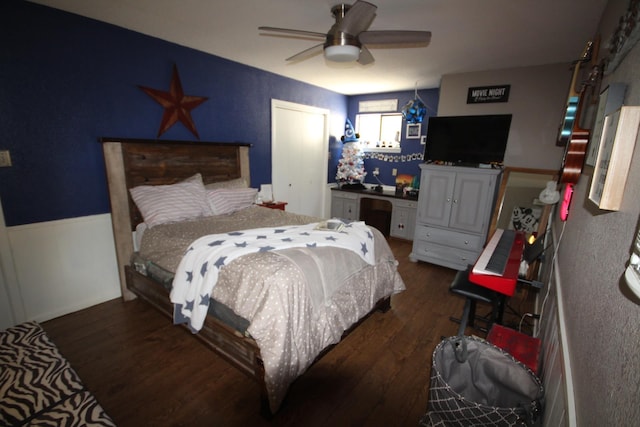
(240, 351)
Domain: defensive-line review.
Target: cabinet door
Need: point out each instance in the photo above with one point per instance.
(350, 210)
(344, 205)
(471, 201)
(337, 205)
(402, 222)
(436, 197)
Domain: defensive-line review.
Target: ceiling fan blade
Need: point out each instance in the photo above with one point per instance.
(365, 56)
(314, 50)
(421, 38)
(301, 33)
(358, 18)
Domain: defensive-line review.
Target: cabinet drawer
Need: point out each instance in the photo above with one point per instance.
(411, 204)
(454, 239)
(443, 255)
(345, 195)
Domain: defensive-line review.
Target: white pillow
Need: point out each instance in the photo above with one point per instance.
(227, 200)
(160, 204)
(232, 183)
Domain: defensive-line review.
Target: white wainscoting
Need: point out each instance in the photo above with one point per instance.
(556, 373)
(63, 266)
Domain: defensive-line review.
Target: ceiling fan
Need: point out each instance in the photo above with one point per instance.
(346, 39)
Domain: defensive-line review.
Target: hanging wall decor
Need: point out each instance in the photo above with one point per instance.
(395, 158)
(624, 37)
(177, 106)
(415, 110)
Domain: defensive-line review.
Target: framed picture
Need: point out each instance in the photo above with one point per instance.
(413, 130)
(610, 100)
(612, 166)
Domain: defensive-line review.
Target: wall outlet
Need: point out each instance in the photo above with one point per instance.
(394, 172)
(5, 159)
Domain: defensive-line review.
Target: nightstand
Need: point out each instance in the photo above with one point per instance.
(274, 205)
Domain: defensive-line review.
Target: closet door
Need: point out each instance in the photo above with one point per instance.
(299, 156)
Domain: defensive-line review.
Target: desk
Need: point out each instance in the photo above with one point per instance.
(378, 208)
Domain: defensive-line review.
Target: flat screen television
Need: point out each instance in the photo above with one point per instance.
(467, 140)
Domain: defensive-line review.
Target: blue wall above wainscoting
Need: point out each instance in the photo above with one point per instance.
(408, 160)
(66, 81)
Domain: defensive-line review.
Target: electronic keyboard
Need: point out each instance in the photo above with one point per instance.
(499, 263)
(494, 257)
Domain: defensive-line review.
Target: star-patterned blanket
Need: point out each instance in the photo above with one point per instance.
(197, 273)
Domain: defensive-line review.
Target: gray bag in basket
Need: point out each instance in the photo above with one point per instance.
(475, 383)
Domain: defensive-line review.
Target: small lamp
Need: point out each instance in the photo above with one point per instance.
(550, 195)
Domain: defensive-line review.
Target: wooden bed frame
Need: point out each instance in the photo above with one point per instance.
(133, 162)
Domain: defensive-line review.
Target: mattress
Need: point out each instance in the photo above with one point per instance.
(164, 278)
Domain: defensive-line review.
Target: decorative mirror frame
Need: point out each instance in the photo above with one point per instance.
(546, 175)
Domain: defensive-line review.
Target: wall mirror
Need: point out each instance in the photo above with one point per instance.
(518, 206)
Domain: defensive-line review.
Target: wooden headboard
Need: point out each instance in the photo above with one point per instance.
(133, 162)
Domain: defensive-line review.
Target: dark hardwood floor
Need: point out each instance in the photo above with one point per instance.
(147, 372)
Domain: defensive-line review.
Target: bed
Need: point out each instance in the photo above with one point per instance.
(272, 313)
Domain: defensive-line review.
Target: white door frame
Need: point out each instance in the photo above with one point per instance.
(280, 104)
(9, 286)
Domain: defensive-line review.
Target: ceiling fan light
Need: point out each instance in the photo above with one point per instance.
(342, 53)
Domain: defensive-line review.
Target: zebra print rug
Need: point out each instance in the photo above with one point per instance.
(38, 387)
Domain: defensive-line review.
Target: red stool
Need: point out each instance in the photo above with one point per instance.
(522, 347)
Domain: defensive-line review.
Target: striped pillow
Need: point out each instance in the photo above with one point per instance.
(232, 183)
(226, 200)
(160, 204)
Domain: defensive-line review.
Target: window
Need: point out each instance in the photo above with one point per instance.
(379, 131)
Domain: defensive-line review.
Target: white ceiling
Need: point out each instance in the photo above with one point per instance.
(468, 35)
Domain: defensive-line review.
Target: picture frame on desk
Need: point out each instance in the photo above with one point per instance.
(618, 139)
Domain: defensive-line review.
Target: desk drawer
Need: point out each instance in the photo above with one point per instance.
(345, 195)
(455, 239)
(411, 204)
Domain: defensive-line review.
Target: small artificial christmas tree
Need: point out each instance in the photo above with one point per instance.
(351, 166)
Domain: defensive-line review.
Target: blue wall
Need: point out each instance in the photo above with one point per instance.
(410, 147)
(66, 81)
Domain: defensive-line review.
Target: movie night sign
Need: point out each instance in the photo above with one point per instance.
(487, 94)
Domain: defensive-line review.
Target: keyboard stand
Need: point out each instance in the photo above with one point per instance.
(474, 293)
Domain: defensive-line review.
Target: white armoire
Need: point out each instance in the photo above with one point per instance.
(455, 206)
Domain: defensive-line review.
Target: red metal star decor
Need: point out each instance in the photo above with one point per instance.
(177, 106)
